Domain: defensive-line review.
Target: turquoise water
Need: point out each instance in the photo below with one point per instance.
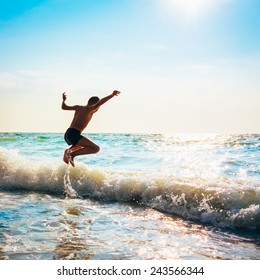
(141, 197)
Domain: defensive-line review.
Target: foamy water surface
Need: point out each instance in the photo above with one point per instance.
(141, 197)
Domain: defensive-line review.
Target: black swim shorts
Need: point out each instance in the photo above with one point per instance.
(72, 136)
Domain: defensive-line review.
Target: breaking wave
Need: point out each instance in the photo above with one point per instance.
(220, 202)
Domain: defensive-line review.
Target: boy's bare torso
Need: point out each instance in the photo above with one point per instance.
(82, 117)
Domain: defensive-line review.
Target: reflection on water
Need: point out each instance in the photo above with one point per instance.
(71, 244)
(130, 232)
(52, 228)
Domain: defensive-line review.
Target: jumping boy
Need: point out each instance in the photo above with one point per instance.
(81, 145)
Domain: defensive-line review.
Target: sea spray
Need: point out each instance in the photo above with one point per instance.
(68, 189)
(222, 202)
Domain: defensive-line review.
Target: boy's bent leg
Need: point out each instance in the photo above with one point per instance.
(67, 153)
(75, 148)
(88, 147)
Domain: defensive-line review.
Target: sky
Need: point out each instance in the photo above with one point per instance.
(182, 66)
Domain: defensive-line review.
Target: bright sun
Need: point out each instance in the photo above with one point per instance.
(190, 9)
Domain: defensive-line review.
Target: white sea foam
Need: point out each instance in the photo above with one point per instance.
(220, 201)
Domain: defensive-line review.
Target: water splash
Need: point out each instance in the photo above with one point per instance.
(68, 189)
(221, 201)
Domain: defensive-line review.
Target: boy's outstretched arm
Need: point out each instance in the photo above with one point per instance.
(105, 99)
(64, 106)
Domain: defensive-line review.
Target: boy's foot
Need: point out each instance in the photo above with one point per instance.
(66, 156)
(71, 160)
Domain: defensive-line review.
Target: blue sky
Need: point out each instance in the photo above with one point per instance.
(182, 65)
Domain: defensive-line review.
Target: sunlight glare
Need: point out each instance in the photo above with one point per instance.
(190, 9)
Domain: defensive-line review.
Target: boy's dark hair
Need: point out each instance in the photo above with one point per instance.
(93, 100)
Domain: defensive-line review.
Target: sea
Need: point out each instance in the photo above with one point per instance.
(142, 197)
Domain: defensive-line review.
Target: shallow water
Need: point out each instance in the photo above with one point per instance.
(36, 226)
(141, 197)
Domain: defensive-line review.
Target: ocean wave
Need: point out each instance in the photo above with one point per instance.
(220, 202)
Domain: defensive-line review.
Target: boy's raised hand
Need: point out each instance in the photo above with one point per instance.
(64, 97)
(116, 92)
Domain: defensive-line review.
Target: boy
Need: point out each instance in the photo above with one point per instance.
(81, 145)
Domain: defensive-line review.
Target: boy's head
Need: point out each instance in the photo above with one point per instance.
(93, 100)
